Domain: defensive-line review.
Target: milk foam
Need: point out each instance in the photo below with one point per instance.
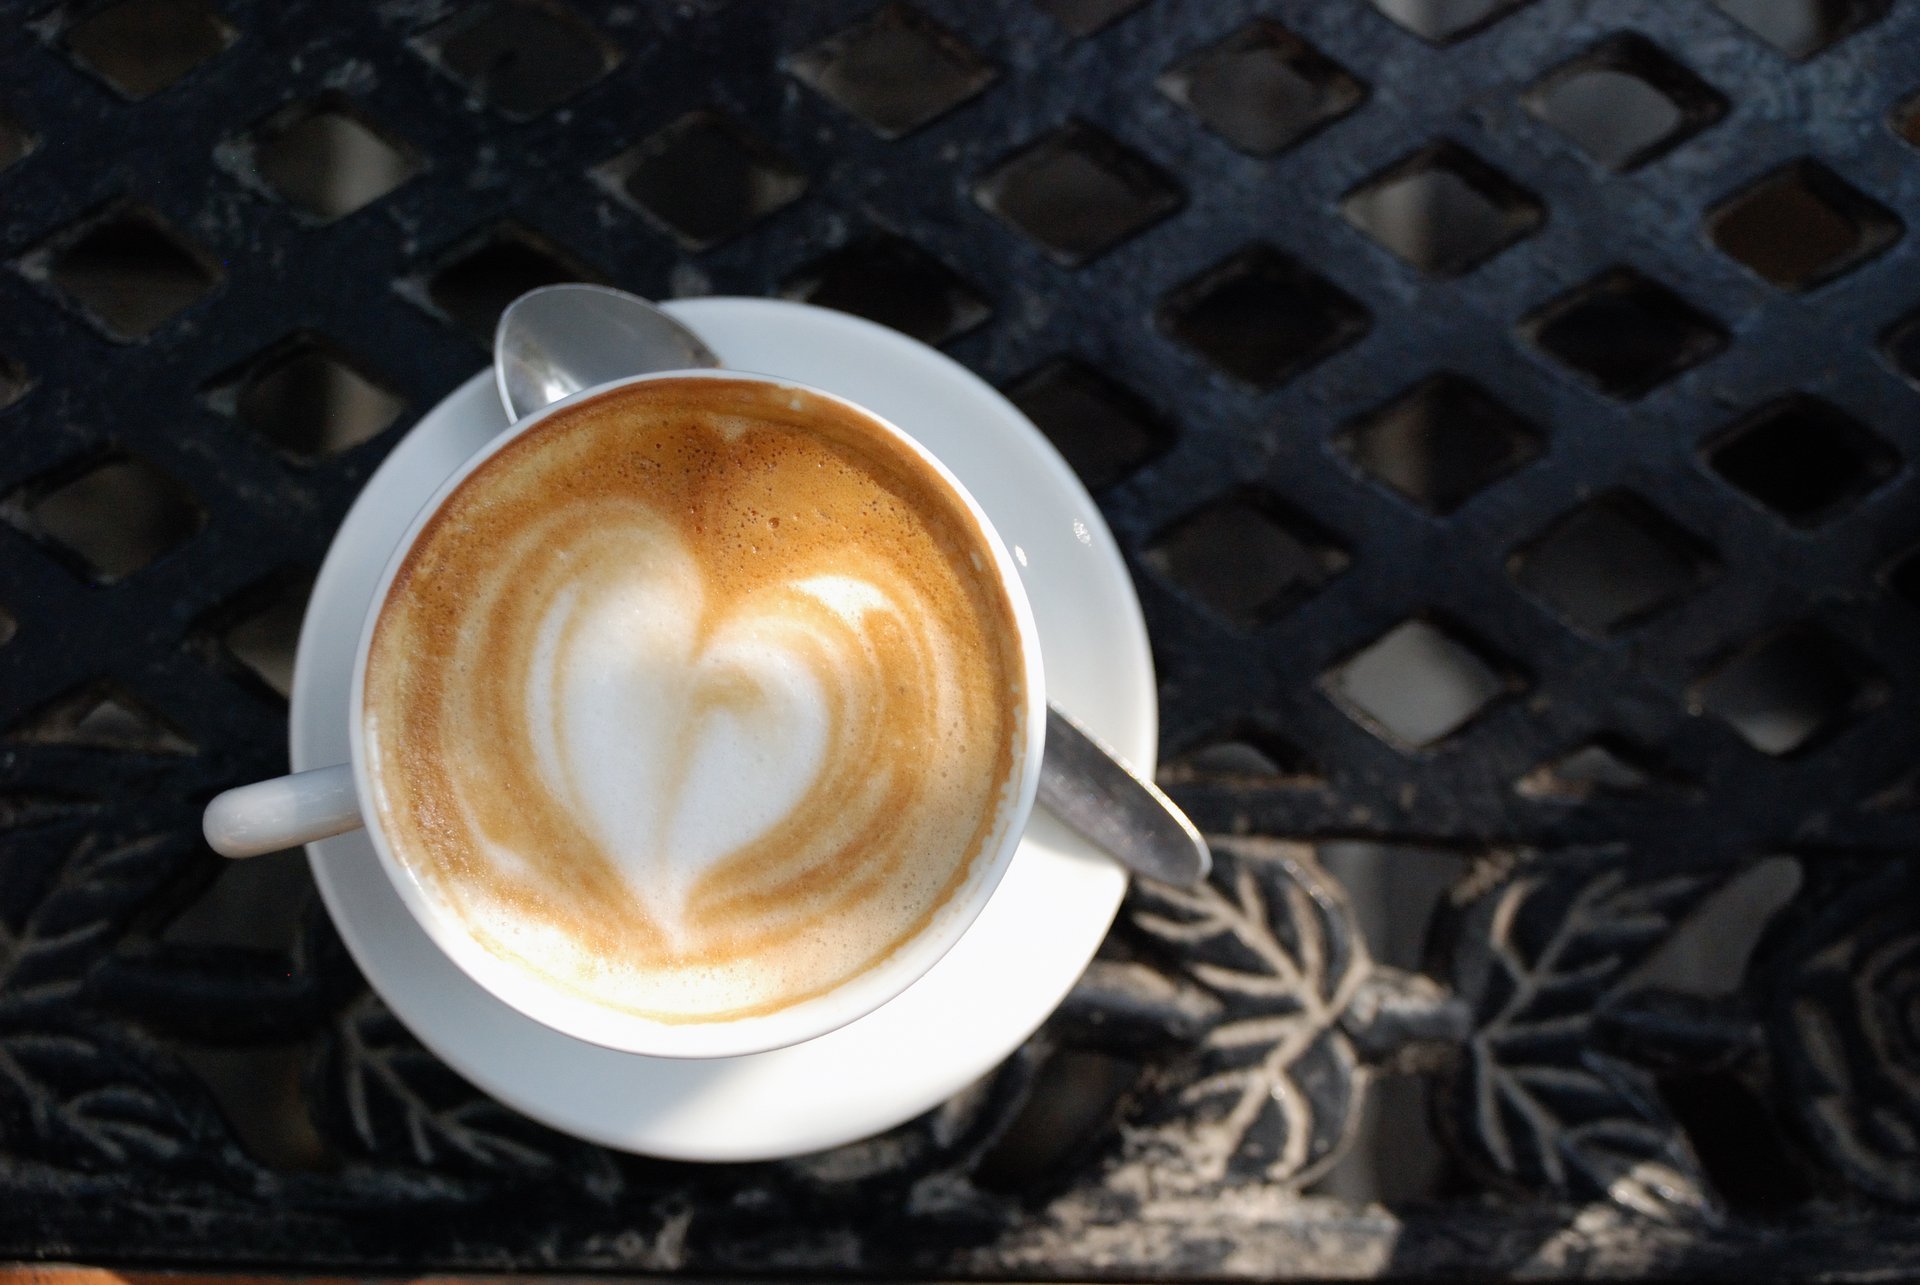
(697, 701)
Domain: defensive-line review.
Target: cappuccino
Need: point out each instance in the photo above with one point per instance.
(699, 699)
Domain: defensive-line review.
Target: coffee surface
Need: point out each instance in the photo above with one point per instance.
(698, 699)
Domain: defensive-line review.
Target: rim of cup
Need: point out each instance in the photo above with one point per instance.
(588, 1020)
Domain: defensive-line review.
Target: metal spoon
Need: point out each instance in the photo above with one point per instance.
(559, 339)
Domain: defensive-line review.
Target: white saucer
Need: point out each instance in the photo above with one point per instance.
(983, 999)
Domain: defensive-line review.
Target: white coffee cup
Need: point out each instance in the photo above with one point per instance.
(271, 815)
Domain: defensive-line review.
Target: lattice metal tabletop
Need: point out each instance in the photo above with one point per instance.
(1508, 410)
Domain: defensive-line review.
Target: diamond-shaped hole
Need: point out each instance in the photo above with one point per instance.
(1440, 442)
(1442, 22)
(1074, 1098)
(1262, 317)
(1801, 225)
(1104, 430)
(1625, 102)
(1900, 345)
(1078, 193)
(520, 57)
(111, 518)
(704, 178)
(1605, 765)
(328, 158)
(1903, 577)
(1245, 752)
(14, 381)
(253, 905)
(474, 284)
(139, 47)
(1416, 685)
(1612, 561)
(1443, 210)
(895, 69)
(130, 272)
(1624, 333)
(1246, 556)
(1804, 458)
(308, 397)
(260, 1090)
(1084, 17)
(1787, 691)
(17, 142)
(1802, 28)
(1905, 119)
(1902, 794)
(894, 282)
(1711, 953)
(260, 630)
(1263, 89)
(102, 716)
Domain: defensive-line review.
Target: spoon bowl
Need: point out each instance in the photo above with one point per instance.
(556, 340)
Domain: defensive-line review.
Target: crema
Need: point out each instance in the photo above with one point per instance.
(698, 699)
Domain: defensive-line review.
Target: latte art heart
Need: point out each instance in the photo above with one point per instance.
(650, 720)
(696, 700)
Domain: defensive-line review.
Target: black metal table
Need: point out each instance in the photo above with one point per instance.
(1507, 409)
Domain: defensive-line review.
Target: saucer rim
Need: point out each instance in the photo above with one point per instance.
(579, 1016)
(448, 417)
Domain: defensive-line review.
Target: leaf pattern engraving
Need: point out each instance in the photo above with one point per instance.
(1272, 937)
(1843, 989)
(72, 1090)
(1532, 1103)
(390, 1098)
(77, 1096)
(44, 957)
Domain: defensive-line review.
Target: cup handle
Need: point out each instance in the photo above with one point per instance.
(288, 810)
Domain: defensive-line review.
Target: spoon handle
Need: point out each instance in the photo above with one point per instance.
(1087, 786)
